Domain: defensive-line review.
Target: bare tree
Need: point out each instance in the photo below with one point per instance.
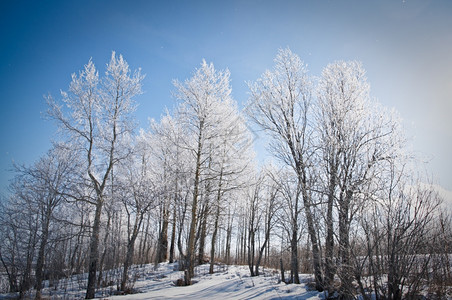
(20, 223)
(401, 238)
(263, 206)
(46, 182)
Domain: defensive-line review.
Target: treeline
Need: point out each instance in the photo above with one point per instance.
(341, 198)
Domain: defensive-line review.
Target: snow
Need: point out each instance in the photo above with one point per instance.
(228, 282)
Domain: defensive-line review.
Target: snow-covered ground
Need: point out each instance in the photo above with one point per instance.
(228, 282)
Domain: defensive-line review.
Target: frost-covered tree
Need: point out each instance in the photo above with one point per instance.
(262, 206)
(280, 104)
(95, 114)
(138, 190)
(49, 180)
(37, 194)
(356, 136)
(230, 165)
(171, 165)
(401, 244)
(207, 113)
(19, 224)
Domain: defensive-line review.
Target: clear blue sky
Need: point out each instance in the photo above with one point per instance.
(405, 46)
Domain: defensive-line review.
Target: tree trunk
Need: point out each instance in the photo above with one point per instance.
(251, 247)
(130, 249)
(194, 209)
(283, 279)
(203, 233)
(329, 243)
(228, 239)
(94, 252)
(127, 263)
(261, 254)
(394, 291)
(294, 277)
(179, 235)
(267, 252)
(104, 253)
(26, 277)
(307, 201)
(162, 248)
(41, 257)
(214, 238)
(217, 218)
(144, 252)
(314, 241)
(251, 234)
(244, 239)
(344, 247)
(266, 241)
(12, 278)
(173, 239)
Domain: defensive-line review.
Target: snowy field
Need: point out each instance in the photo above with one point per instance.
(228, 282)
(231, 282)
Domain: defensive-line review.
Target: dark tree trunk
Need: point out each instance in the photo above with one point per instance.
(259, 258)
(251, 234)
(179, 235)
(144, 250)
(344, 247)
(217, 218)
(214, 238)
(283, 279)
(228, 240)
(26, 277)
(104, 253)
(94, 252)
(173, 239)
(130, 249)
(329, 244)
(294, 277)
(244, 248)
(41, 254)
(251, 248)
(203, 233)
(266, 241)
(162, 248)
(11, 273)
(191, 237)
(315, 245)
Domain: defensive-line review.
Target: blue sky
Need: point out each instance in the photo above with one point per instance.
(405, 46)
